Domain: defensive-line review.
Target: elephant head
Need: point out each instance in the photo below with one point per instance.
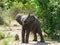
(24, 19)
(29, 19)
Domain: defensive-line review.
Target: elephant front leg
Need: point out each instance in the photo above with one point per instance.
(27, 36)
(23, 36)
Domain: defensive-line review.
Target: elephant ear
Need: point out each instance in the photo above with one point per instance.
(18, 19)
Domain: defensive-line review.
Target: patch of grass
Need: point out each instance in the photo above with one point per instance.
(2, 35)
(5, 42)
(10, 37)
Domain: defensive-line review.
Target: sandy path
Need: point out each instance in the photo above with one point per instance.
(17, 30)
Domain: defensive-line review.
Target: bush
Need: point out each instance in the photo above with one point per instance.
(2, 35)
(1, 20)
(5, 42)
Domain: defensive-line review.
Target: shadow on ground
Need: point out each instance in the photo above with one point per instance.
(35, 43)
(40, 43)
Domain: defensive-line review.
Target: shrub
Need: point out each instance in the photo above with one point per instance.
(2, 35)
(5, 42)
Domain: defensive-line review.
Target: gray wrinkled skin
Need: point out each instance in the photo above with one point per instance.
(29, 24)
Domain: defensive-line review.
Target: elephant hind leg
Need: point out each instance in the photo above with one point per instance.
(35, 36)
(41, 36)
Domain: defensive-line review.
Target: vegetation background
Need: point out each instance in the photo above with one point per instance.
(47, 11)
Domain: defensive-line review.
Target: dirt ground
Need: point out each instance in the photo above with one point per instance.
(13, 29)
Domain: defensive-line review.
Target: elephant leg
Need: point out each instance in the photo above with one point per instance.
(27, 36)
(35, 36)
(23, 36)
(40, 33)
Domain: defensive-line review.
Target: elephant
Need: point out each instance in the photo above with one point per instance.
(29, 24)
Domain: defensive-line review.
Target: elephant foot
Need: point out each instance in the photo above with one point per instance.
(35, 40)
(26, 42)
(23, 42)
(42, 41)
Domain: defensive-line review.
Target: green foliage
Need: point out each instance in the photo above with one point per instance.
(1, 21)
(50, 15)
(2, 35)
(9, 35)
(5, 42)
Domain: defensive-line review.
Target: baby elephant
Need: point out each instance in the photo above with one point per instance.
(29, 24)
